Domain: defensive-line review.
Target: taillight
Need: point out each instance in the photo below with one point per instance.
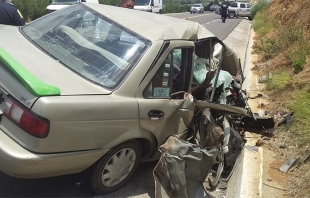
(27, 120)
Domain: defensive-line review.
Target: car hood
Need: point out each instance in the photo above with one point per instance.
(41, 67)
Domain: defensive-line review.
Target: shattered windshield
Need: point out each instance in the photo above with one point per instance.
(142, 2)
(89, 44)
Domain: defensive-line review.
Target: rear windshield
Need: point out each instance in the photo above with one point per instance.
(89, 44)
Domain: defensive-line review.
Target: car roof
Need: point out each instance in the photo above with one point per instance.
(153, 26)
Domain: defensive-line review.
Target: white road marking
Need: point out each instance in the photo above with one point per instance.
(196, 16)
(260, 187)
(208, 23)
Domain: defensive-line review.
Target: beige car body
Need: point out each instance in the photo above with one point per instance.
(86, 120)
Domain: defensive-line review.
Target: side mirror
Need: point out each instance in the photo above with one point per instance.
(152, 3)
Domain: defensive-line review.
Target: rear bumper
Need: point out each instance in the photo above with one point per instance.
(19, 162)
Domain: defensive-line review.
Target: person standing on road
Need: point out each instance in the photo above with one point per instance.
(224, 11)
(9, 15)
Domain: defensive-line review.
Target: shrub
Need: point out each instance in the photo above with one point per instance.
(267, 47)
(260, 6)
(294, 45)
(279, 80)
(262, 23)
(31, 9)
(175, 8)
(300, 105)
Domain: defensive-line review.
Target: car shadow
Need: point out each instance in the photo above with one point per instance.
(140, 185)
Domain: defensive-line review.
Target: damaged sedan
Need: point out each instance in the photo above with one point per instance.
(98, 88)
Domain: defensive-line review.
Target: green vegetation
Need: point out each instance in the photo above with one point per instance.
(300, 105)
(109, 2)
(31, 9)
(268, 47)
(262, 24)
(176, 8)
(279, 81)
(260, 6)
(289, 40)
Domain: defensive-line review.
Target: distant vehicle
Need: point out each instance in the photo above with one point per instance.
(214, 7)
(155, 6)
(239, 9)
(197, 8)
(58, 4)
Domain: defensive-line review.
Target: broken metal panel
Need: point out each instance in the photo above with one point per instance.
(288, 164)
(257, 123)
(182, 169)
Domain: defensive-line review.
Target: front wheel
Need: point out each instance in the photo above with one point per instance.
(114, 169)
(231, 15)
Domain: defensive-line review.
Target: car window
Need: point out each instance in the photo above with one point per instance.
(173, 75)
(242, 5)
(248, 5)
(142, 2)
(89, 44)
(235, 5)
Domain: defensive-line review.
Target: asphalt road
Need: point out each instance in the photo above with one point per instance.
(141, 185)
(212, 22)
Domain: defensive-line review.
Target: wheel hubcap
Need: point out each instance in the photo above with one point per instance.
(118, 167)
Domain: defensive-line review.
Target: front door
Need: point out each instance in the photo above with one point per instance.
(160, 96)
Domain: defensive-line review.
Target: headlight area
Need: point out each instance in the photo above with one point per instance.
(25, 119)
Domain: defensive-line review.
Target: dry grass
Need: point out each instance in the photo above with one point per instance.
(290, 91)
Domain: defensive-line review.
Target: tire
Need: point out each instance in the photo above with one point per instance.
(250, 18)
(130, 151)
(231, 15)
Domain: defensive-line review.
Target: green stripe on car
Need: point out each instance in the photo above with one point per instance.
(32, 83)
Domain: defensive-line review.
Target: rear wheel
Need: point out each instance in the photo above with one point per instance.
(114, 169)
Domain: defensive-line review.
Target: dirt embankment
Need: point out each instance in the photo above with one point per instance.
(290, 141)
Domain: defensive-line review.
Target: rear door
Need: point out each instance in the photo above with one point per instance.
(242, 10)
(160, 95)
(248, 9)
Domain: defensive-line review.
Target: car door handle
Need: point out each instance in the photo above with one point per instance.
(155, 114)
